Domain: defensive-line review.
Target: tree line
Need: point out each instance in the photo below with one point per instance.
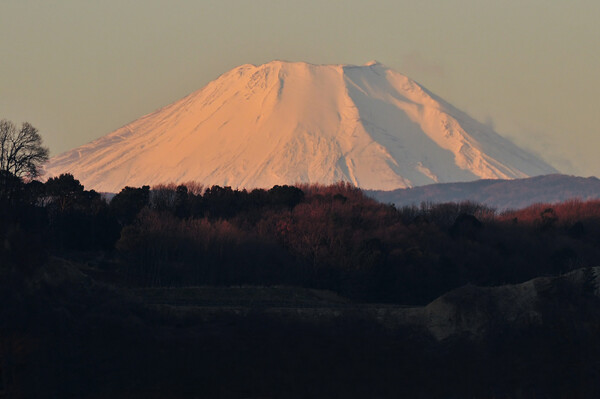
(331, 237)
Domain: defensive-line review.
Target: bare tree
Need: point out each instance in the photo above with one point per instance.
(21, 151)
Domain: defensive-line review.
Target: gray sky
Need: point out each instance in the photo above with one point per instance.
(78, 70)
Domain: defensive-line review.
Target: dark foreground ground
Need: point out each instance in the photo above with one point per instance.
(69, 334)
(186, 292)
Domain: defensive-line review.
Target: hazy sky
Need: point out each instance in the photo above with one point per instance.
(79, 69)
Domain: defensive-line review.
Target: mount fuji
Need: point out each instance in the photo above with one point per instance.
(286, 123)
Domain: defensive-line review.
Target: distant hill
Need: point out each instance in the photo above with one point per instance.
(500, 194)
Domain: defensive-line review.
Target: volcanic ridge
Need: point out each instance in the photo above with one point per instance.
(287, 123)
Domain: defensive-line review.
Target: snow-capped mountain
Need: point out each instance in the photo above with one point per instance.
(285, 123)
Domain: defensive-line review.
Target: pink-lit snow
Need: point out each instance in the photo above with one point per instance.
(285, 123)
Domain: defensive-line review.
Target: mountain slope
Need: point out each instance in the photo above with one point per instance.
(285, 123)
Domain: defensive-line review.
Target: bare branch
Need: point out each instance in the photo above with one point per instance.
(21, 151)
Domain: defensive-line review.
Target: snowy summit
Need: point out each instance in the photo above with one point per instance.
(286, 123)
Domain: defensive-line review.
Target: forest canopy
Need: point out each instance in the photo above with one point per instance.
(331, 237)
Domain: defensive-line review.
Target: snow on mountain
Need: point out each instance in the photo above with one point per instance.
(285, 123)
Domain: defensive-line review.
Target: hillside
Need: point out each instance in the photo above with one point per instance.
(311, 291)
(499, 194)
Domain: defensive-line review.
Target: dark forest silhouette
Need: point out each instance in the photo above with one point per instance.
(330, 237)
(70, 261)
